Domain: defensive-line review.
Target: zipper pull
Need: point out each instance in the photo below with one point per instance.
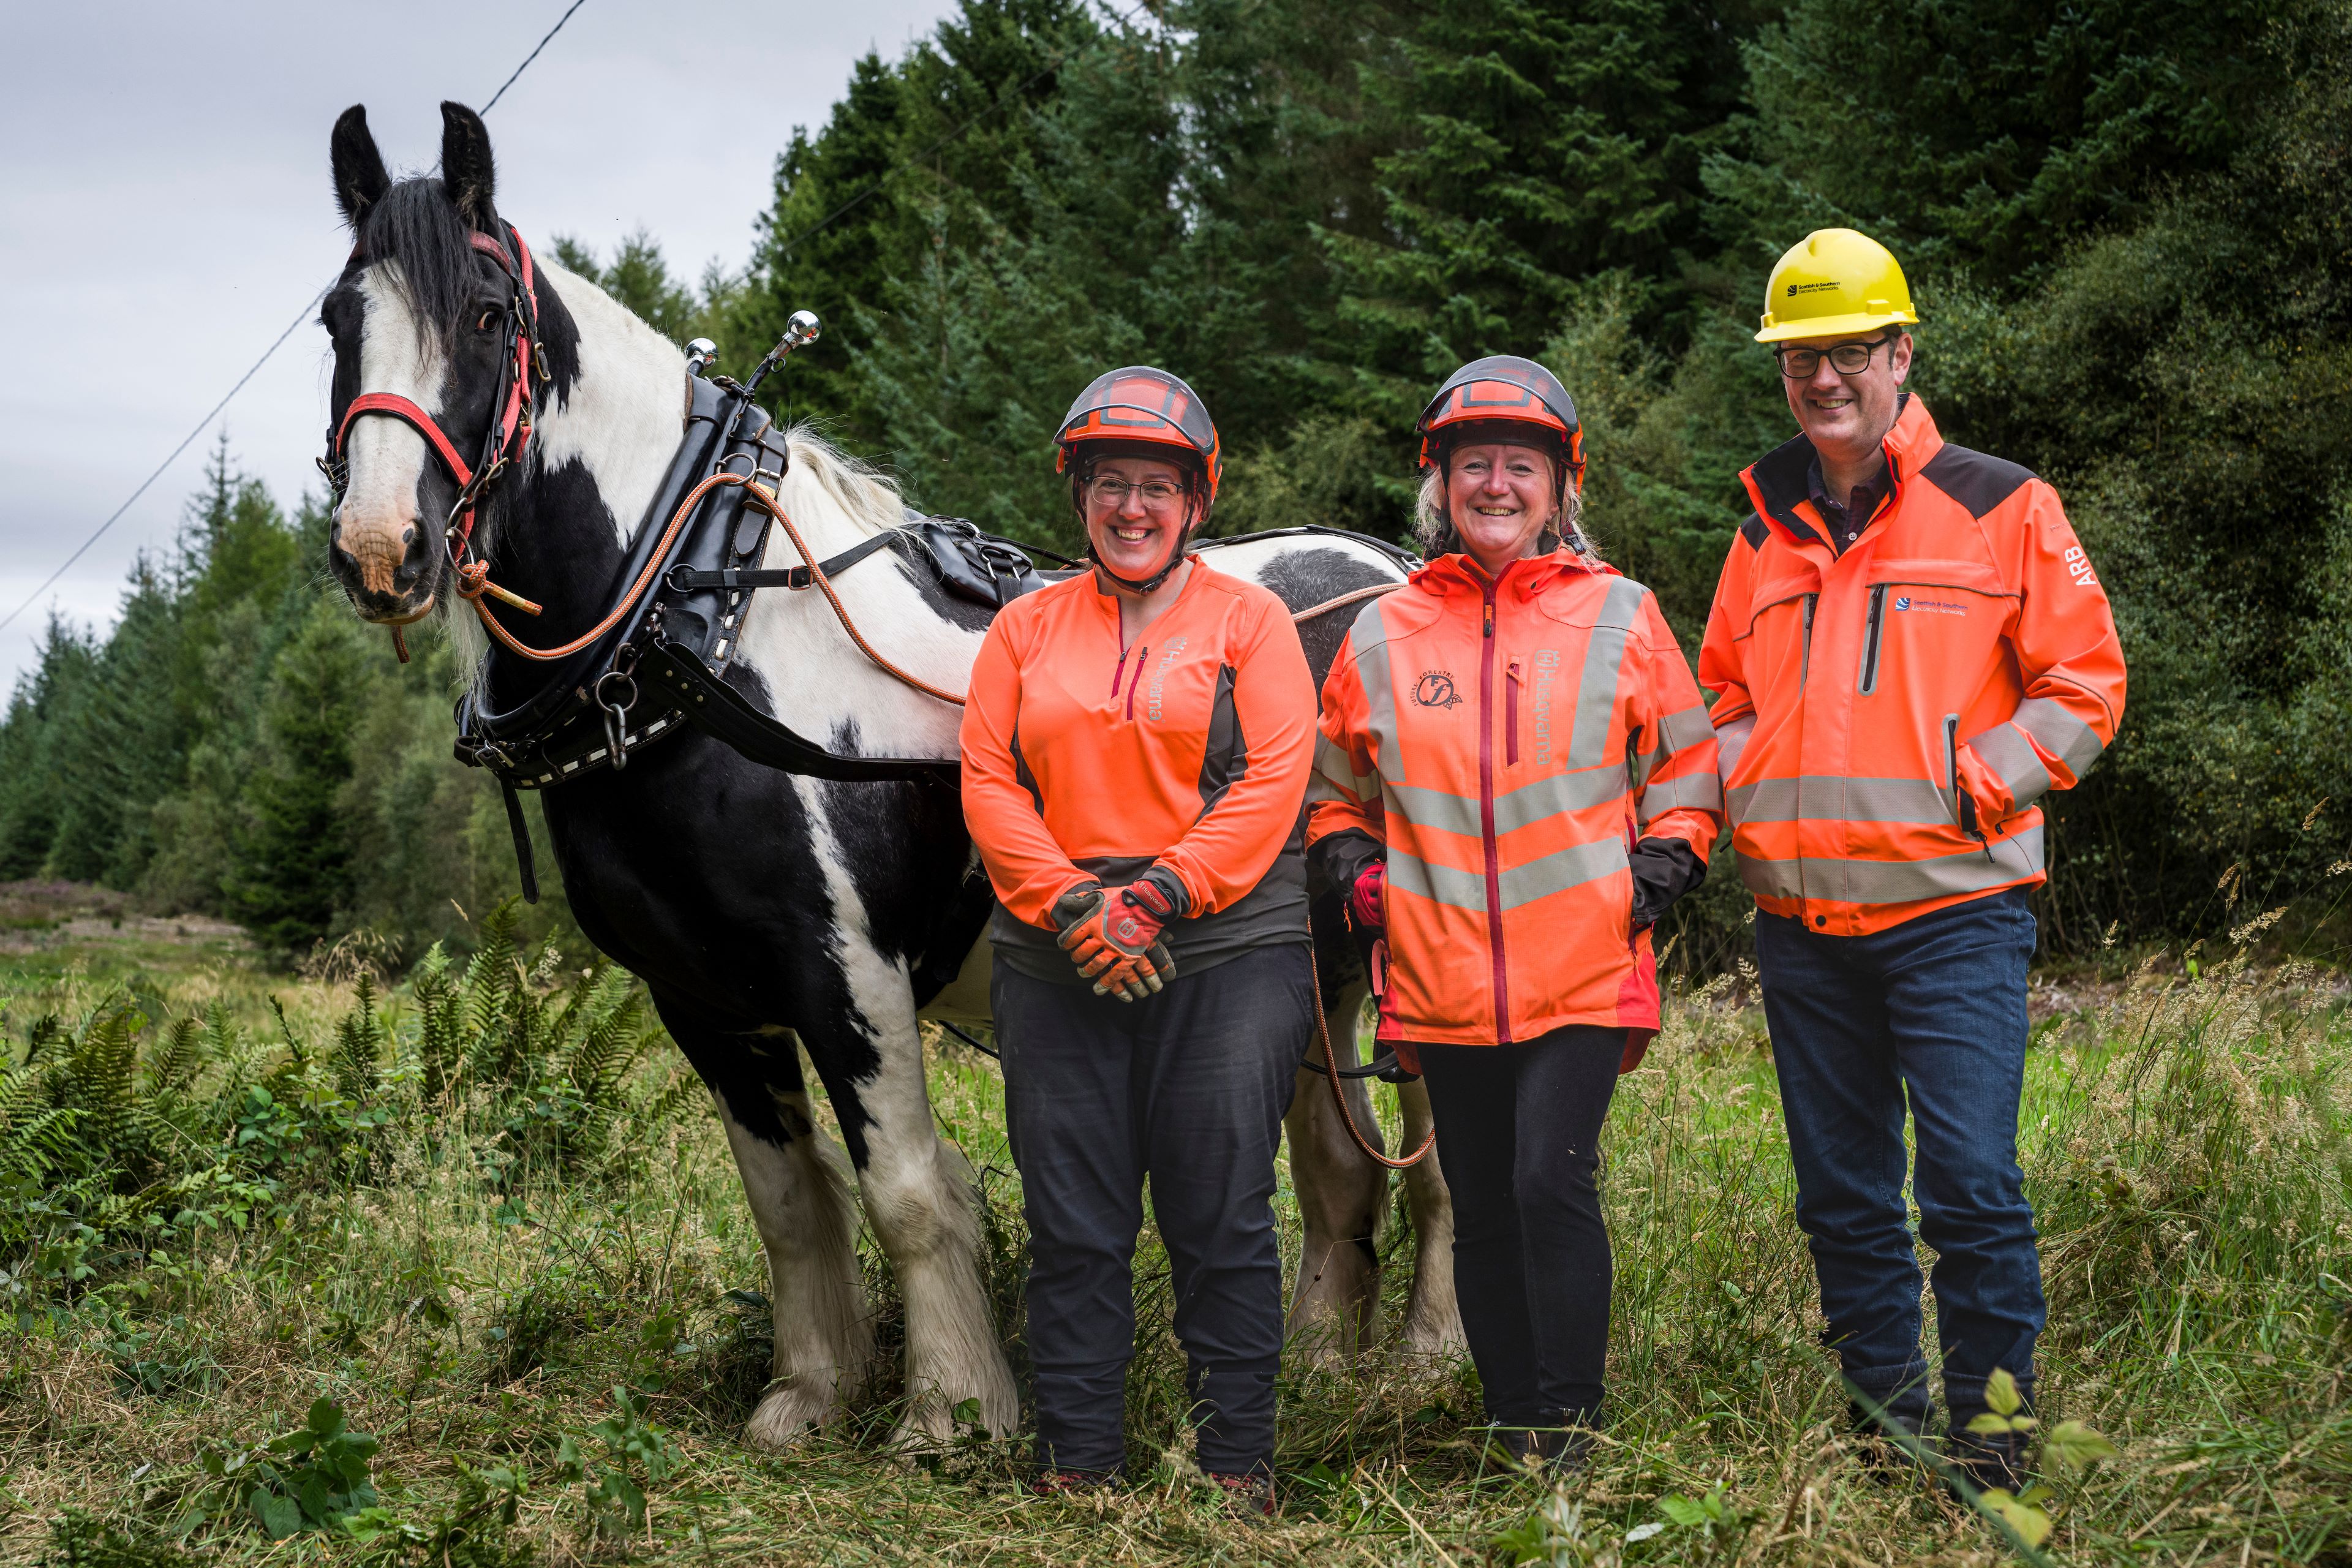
(1490, 617)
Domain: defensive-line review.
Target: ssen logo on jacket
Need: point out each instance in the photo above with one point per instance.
(1889, 716)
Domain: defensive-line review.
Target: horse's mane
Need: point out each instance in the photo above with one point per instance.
(824, 474)
(414, 228)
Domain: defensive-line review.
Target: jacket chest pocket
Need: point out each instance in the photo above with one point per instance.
(1935, 614)
(1781, 632)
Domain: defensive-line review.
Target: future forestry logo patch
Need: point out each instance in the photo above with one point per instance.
(1435, 690)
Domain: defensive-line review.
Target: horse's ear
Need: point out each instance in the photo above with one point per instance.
(360, 179)
(465, 165)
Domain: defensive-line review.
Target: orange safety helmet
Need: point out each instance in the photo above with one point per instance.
(1505, 398)
(1139, 410)
(1142, 404)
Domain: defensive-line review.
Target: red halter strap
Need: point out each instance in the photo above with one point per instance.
(510, 434)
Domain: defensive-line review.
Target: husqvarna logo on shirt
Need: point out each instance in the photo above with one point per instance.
(1938, 606)
(1547, 669)
(1152, 704)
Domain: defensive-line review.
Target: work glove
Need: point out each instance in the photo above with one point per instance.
(1663, 870)
(1113, 937)
(1368, 900)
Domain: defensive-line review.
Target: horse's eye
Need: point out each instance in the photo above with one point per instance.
(489, 318)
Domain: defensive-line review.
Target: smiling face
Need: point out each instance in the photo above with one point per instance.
(1133, 532)
(1498, 498)
(1847, 416)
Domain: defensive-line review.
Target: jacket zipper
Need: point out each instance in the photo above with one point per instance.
(1118, 673)
(1511, 716)
(1870, 639)
(1486, 822)
(1964, 804)
(1140, 654)
(1804, 659)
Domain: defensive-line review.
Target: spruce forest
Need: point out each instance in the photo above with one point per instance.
(2126, 224)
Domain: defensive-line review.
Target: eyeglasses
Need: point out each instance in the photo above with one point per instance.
(1846, 359)
(1108, 491)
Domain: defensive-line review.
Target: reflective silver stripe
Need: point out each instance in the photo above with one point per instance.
(1692, 791)
(1830, 797)
(1731, 740)
(1896, 881)
(2005, 750)
(1443, 884)
(1336, 769)
(1370, 638)
(1539, 878)
(1561, 869)
(2059, 732)
(1604, 658)
(1513, 809)
(1686, 729)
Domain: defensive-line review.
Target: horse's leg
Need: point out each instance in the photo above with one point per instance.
(1342, 1198)
(796, 1183)
(1433, 1319)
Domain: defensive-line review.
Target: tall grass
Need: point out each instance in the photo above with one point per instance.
(489, 1216)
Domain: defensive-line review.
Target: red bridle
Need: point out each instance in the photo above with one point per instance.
(509, 435)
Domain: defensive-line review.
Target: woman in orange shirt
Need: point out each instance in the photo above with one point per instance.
(1135, 752)
(1516, 779)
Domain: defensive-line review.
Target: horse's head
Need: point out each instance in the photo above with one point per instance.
(424, 321)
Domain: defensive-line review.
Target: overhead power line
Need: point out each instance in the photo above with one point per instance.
(99, 532)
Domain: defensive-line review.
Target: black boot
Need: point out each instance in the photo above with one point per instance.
(1986, 1459)
(1894, 1425)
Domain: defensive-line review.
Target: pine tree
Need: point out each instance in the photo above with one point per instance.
(295, 869)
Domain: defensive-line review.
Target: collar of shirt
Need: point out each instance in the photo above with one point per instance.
(1844, 529)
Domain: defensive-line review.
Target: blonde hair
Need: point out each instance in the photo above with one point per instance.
(1434, 530)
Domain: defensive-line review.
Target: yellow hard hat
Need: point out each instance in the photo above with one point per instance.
(1834, 281)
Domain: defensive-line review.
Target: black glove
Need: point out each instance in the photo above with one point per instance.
(1663, 870)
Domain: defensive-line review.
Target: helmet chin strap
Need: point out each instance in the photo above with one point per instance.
(1150, 584)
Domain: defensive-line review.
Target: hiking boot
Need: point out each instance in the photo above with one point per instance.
(1049, 1483)
(1987, 1459)
(1893, 1445)
(1562, 1450)
(1248, 1496)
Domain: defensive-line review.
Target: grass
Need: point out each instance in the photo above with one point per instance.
(488, 1222)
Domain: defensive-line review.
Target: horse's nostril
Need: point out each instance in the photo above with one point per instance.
(408, 535)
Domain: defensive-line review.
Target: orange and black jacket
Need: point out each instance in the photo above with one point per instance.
(1506, 743)
(1889, 716)
(1089, 760)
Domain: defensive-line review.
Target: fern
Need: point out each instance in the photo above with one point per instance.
(172, 1068)
(358, 1043)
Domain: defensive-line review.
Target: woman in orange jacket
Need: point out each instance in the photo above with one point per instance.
(1516, 778)
(1135, 750)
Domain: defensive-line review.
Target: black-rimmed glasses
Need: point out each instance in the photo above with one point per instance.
(1846, 359)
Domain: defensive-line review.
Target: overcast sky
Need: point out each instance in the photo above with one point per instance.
(166, 211)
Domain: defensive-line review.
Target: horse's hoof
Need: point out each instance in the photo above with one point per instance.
(787, 1418)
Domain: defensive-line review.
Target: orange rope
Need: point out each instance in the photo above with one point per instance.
(1340, 1091)
(1301, 617)
(474, 582)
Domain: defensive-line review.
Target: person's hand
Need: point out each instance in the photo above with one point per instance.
(1113, 938)
(1368, 900)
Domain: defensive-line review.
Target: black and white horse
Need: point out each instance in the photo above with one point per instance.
(770, 913)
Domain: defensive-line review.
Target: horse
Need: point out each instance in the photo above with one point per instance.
(769, 913)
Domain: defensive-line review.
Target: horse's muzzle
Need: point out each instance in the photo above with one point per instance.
(385, 566)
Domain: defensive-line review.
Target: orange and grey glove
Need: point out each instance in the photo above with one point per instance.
(1113, 937)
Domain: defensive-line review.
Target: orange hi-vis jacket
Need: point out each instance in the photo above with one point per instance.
(1087, 760)
(1507, 741)
(1889, 716)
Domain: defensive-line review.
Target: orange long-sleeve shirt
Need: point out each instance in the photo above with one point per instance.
(1089, 759)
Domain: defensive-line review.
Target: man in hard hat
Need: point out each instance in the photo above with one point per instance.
(1908, 647)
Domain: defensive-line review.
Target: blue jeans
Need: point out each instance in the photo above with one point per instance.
(1931, 1011)
(1188, 1089)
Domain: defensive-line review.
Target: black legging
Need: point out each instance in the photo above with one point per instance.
(1518, 1132)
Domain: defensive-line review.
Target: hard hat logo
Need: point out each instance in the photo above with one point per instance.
(1832, 283)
